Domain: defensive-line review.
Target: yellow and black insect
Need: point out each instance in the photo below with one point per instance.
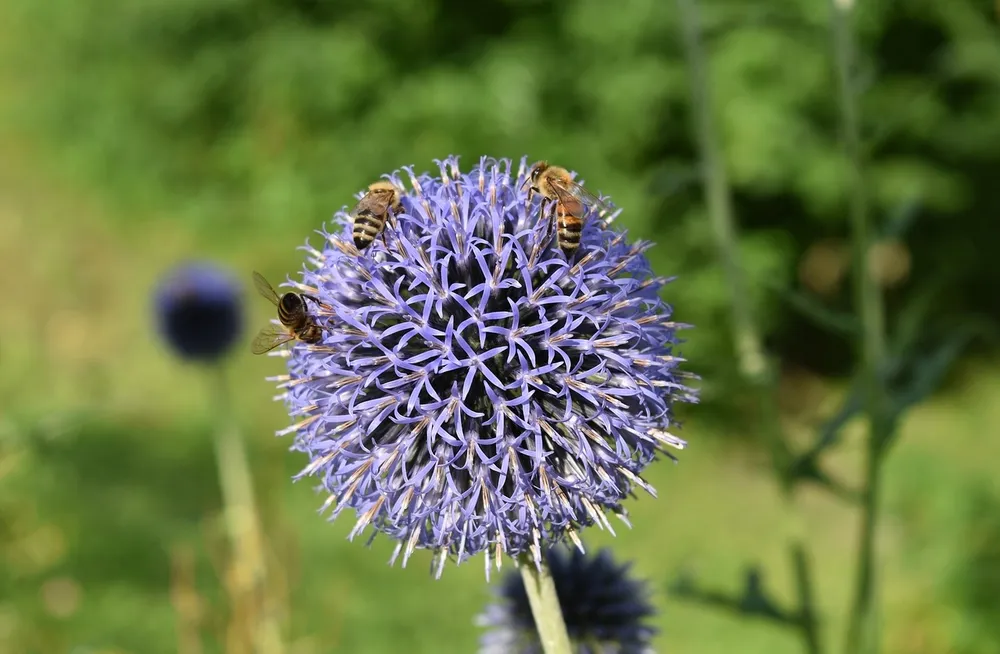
(371, 212)
(293, 314)
(571, 202)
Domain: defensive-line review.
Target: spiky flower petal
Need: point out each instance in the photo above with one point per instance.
(199, 311)
(604, 608)
(474, 390)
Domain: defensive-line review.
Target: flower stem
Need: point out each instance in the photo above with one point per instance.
(242, 522)
(862, 627)
(807, 608)
(753, 366)
(545, 607)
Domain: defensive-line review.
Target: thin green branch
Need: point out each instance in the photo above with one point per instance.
(862, 629)
(808, 622)
(753, 366)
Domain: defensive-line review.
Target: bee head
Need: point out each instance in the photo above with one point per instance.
(534, 174)
(383, 185)
(537, 170)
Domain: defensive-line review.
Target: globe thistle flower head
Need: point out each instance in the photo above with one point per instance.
(199, 311)
(475, 391)
(604, 608)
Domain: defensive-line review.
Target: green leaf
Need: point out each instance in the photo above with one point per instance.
(754, 601)
(901, 219)
(926, 372)
(812, 308)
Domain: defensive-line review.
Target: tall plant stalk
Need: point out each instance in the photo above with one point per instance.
(752, 362)
(545, 607)
(243, 524)
(862, 630)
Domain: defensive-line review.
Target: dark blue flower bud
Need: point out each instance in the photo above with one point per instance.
(604, 608)
(199, 311)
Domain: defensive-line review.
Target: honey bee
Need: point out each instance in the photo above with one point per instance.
(571, 202)
(371, 213)
(292, 314)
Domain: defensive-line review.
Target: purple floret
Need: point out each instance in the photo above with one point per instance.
(474, 390)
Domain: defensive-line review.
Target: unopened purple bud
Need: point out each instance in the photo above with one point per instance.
(199, 311)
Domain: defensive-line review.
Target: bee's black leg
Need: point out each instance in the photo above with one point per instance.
(551, 220)
(316, 301)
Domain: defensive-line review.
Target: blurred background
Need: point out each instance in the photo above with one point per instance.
(135, 134)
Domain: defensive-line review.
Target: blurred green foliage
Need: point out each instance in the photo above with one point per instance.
(93, 519)
(94, 507)
(243, 124)
(974, 584)
(242, 116)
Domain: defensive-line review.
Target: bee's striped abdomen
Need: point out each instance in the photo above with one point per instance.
(569, 228)
(292, 311)
(366, 227)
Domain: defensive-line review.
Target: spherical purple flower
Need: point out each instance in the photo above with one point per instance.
(199, 311)
(475, 391)
(605, 610)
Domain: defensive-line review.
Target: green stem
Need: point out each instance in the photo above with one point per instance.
(545, 606)
(753, 366)
(862, 627)
(807, 609)
(242, 522)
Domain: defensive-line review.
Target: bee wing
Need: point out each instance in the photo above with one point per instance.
(268, 338)
(377, 202)
(264, 288)
(580, 193)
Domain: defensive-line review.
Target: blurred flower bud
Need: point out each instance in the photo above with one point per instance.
(606, 610)
(824, 265)
(889, 262)
(199, 311)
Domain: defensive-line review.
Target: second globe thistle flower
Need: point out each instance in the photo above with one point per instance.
(199, 311)
(606, 609)
(474, 390)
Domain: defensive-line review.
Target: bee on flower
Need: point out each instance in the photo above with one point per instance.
(475, 390)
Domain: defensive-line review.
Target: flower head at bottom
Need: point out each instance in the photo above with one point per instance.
(604, 608)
